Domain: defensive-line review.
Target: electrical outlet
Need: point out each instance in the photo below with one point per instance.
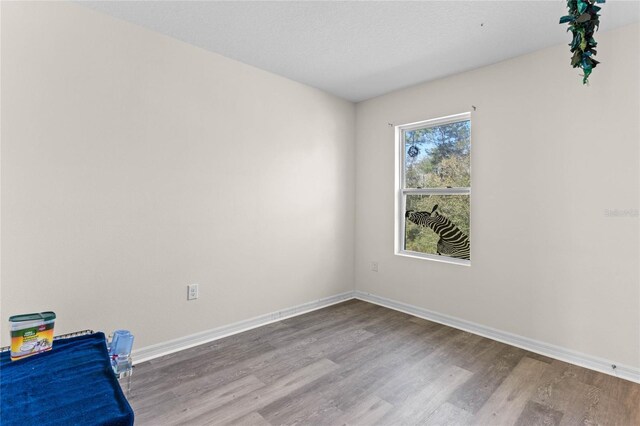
(192, 291)
(374, 266)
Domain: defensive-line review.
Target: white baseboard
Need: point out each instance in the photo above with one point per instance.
(552, 351)
(557, 352)
(154, 351)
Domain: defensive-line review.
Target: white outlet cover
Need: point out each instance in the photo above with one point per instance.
(192, 292)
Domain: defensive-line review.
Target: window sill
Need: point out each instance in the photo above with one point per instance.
(433, 257)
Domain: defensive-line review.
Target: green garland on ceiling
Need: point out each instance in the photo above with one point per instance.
(584, 21)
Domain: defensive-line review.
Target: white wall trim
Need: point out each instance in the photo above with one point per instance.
(552, 351)
(557, 352)
(154, 351)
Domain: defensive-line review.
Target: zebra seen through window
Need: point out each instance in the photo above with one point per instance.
(453, 242)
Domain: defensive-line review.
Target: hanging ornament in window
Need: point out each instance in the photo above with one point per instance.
(413, 151)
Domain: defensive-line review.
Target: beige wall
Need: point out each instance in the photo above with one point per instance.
(134, 164)
(548, 157)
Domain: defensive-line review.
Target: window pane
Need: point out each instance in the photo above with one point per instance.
(438, 157)
(443, 231)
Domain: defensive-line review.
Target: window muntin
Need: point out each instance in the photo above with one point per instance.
(434, 172)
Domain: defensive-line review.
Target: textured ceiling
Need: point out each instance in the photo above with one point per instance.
(358, 50)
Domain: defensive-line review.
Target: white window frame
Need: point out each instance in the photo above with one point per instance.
(402, 192)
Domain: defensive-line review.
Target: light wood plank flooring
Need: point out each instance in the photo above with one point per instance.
(359, 364)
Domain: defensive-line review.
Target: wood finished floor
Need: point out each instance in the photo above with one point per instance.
(357, 363)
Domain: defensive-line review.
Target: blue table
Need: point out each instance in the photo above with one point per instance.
(72, 384)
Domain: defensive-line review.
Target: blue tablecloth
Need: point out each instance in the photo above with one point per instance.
(72, 384)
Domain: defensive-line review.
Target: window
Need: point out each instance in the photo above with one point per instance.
(434, 188)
